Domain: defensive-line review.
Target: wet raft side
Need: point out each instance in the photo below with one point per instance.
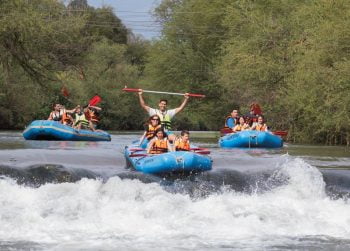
(247, 139)
(52, 130)
(180, 161)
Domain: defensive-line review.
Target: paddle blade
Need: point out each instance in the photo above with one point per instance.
(198, 149)
(131, 89)
(280, 133)
(196, 95)
(136, 149)
(95, 100)
(225, 130)
(64, 91)
(203, 152)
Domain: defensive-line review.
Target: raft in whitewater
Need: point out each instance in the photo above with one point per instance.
(52, 130)
(248, 139)
(170, 162)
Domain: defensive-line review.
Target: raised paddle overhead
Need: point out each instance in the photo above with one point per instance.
(169, 93)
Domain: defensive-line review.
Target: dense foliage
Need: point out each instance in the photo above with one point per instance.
(290, 56)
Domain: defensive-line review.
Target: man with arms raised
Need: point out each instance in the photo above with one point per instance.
(164, 114)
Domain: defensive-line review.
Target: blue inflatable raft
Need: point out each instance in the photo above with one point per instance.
(247, 139)
(171, 162)
(52, 130)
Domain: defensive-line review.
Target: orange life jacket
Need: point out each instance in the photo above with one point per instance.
(159, 146)
(261, 128)
(67, 119)
(92, 116)
(182, 146)
(151, 130)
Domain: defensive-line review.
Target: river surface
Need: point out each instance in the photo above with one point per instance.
(80, 196)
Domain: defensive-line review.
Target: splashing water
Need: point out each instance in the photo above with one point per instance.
(123, 213)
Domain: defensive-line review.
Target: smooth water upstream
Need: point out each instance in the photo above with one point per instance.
(79, 195)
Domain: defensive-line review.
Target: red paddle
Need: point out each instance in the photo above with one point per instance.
(144, 154)
(203, 152)
(64, 91)
(136, 149)
(198, 149)
(280, 133)
(170, 93)
(138, 155)
(95, 100)
(141, 149)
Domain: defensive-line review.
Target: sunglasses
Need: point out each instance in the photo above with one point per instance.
(155, 119)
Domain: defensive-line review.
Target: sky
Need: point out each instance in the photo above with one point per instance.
(135, 14)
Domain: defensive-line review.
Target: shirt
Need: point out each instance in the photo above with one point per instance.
(153, 111)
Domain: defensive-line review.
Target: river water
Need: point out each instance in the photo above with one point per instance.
(80, 196)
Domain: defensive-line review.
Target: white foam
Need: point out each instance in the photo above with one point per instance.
(124, 213)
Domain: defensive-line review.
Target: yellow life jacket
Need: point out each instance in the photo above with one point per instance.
(151, 130)
(182, 146)
(80, 118)
(165, 119)
(239, 128)
(159, 146)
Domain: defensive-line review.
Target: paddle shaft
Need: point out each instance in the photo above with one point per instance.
(169, 93)
(146, 154)
(191, 149)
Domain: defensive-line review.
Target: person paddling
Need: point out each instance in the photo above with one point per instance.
(92, 114)
(164, 114)
(159, 144)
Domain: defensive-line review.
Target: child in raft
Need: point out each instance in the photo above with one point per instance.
(182, 143)
(160, 143)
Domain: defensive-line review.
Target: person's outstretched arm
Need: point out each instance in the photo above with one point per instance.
(142, 102)
(96, 108)
(184, 103)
